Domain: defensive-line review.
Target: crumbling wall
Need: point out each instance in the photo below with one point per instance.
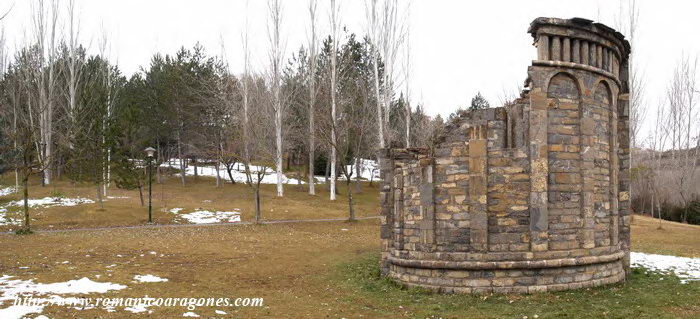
(529, 197)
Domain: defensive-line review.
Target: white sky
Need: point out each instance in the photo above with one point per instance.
(458, 47)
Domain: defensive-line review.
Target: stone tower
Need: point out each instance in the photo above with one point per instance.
(529, 197)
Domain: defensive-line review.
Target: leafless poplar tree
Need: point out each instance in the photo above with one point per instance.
(276, 55)
(335, 33)
(685, 131)
(74, 67)
(45, 29)
(373, 33)
(313, 64)
(407, 78)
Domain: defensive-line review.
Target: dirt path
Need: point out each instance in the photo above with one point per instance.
(266, 222)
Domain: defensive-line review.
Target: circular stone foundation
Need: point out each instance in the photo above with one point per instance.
(530, 197)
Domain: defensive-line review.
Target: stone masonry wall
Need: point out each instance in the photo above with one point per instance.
(529, 197)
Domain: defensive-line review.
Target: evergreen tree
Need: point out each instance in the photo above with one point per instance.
(479, 102)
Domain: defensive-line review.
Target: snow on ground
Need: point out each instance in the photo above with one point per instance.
(238, 172)
(687, 269)
(52, 201)
(208, 217)
(149, 278)
(118, 197)
(42, 202)
(190, 314)
(367, 169)
(15, 288)
(220, 312)
(7, 191)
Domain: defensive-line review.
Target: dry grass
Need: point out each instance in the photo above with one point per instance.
(288, 265)
(302, 270)
(672, 239)
(306, 270)
(197, 194)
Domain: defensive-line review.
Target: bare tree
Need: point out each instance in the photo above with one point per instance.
(276, 56)
(373, 33)
(261, 145)
(386, 32)
(685, 131)
(313, 64)
(74, 67)
(45, 25)
(335, 33)
(407, 78)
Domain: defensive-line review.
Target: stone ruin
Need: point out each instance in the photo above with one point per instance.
(529, 197)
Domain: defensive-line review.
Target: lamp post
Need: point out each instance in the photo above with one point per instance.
(150, 151)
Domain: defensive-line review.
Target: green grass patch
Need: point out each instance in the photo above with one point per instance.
(645, 295)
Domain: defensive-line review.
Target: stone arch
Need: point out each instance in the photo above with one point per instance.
(563, 86)
(603, 94)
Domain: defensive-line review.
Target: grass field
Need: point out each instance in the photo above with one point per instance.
(125, 206)
(305, 270)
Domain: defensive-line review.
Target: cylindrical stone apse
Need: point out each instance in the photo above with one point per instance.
(529, 197)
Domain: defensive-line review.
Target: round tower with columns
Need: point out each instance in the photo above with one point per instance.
(529, 197)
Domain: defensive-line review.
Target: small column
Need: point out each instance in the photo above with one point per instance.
(599, 52)
(593, 54)
(398, 207)
(427, 203)
(539, 171)
(585, 54)
(614, 177)
(386, 233)
(576, 51)
(588, 156)
(543, 47)
(478, 188)
(556, 49)
(605, 63)
(566, 50)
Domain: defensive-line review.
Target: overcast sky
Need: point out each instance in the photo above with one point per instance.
(458, 47)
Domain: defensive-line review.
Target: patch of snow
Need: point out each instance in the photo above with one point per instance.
(238, 172)
(52, 201)
(149, 278)
(208, 217)
(190, 314)
(7, 191)
(219, 312)
(19, 312)
(15, 288)
(176, 210)
(118, 197)
(687, 269)
(41, 317)
(136, 308)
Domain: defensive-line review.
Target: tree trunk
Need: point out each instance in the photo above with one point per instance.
(218, 177)
(350, 203)
(278, 133)
(229, 169)
(194, 163)
(358, 167)
(183, 169)
(300, 176)
(327, 172)
(258, 214)
(141, 194)
(99, 195)
(25, 193)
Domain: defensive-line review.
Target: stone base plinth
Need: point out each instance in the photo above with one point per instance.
(522, 281)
